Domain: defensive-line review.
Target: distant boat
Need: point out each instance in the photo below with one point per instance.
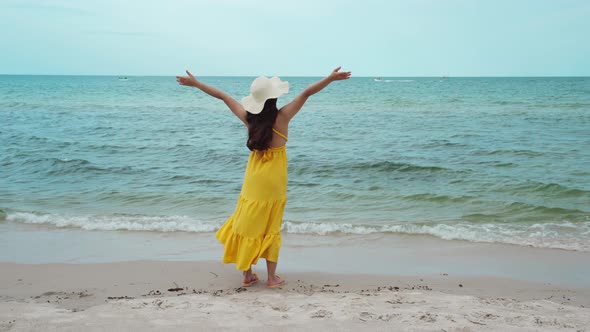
(378, 79)
(123, 78)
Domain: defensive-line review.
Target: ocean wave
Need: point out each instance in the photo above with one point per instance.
(517, 152)
(377, 167)
(496, 163)
(20, 105)
(438, 198)
(465, 135)
(524, 207)
(507, 102)
(56, 161)
(549, 192)
(521, 212)
(116, 222)
(389, 166)
(554, 189)
(64, 166)
(561, 235)
(441, 143)
(560, 106)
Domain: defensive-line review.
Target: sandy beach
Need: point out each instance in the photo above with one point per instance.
(156, 296)
(387, 292)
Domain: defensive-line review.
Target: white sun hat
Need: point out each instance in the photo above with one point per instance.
(262, 89)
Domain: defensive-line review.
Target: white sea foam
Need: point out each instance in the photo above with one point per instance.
(564, 235)
(118, 222)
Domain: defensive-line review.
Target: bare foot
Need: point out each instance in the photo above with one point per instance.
(249, 278)
(275, 282)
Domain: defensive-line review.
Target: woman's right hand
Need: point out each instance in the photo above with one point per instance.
(189, 80)
(337, 75)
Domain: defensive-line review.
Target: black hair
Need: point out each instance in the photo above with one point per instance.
(260, 126)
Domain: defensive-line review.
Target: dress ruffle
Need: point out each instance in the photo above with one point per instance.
(253, 231)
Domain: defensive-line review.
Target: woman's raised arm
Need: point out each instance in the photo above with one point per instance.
(291, 109)
(233, 105)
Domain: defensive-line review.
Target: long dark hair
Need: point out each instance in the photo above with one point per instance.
(260, 126)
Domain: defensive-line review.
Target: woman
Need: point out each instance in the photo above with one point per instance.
(253, 231)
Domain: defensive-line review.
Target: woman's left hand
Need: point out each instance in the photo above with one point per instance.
(189, 80)
(338, 75)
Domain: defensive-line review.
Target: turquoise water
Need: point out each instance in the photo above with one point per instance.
(480, 159)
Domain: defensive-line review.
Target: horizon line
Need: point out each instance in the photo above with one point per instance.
(364, 76)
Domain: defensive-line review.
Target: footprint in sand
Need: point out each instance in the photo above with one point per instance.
(203, 305)
(321, 314)
(280, 307)
(308, 306)
(5, 326)
(484, 315)
(366, 316)
(160, 304)
(428, 317)
(140, 305)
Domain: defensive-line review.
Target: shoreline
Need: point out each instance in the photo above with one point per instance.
(374, 254)
(71, 279)
(156, 295)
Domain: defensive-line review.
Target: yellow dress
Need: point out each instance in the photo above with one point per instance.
(253, 231)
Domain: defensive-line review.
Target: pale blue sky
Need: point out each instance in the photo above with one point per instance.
(296, 38)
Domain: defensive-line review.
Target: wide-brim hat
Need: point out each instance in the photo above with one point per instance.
(262, 89)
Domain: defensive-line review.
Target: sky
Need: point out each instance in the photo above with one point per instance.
(296, 38)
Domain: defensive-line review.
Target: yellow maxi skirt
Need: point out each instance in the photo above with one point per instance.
(253, 231)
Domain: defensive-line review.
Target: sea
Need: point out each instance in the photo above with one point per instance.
(494, 160)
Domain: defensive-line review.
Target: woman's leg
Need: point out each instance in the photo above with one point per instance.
(272, 279)
(248, 277)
